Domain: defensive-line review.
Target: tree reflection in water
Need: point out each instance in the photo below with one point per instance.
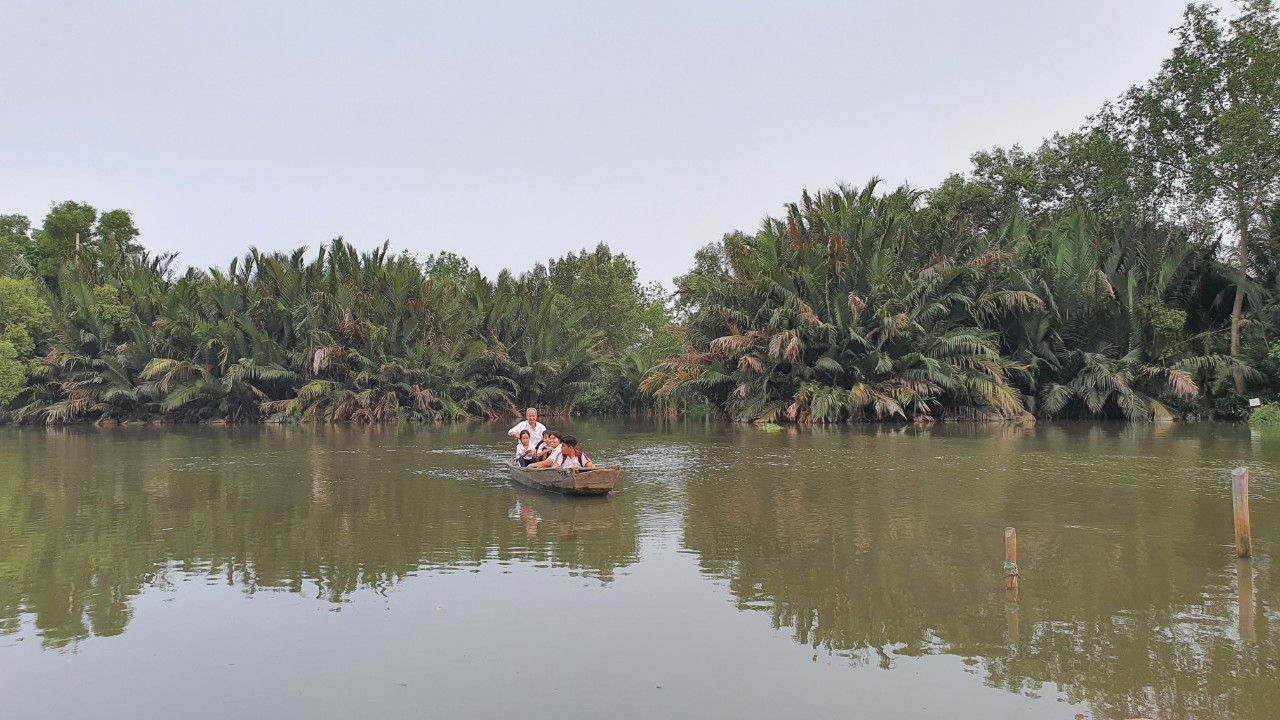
(85, 525)
(875, 544)
(874, 563)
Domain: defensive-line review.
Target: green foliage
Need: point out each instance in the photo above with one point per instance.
(1206, 128)
(15, 244)
(1267, 416)
(341, 336)
(66, 230)
(604, 286)
(73, 234)
(617, 388)
(21, 307)
(446, 265)
(107, 306)
(13, 374)
(116, 234)
(848, 308)
(864, 306)
(1228, 406)
(22, 313)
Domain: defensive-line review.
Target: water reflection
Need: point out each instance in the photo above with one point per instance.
(1130, 599)
(873, 545)
(87, 522)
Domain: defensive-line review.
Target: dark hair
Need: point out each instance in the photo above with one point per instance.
(554, 434)
(570, 440)
(525, 432)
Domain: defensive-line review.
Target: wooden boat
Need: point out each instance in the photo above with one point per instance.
(570, 481)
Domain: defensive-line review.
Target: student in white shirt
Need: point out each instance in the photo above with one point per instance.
(553, 451)
(530, 423)
(570, 457)
(525, 451)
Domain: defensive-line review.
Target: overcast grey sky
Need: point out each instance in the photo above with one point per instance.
(510, 132)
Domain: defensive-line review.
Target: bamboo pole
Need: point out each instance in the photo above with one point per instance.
(1010, 559)
(1240, 504)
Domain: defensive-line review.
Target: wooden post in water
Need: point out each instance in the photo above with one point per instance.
(1240, 503)
(1244, 590)
(1011, 611)
(1010, 559)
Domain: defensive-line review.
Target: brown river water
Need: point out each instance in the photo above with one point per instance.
(345, 572)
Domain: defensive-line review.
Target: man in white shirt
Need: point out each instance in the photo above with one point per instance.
(531, 424)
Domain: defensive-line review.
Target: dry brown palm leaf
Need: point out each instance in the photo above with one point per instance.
(835, 248)
(1098, 286)
(856, 305)
(731, 344)
(992, 258)
(805, 314)
(795, 349)
(793, 233)
(1181, 383)
(938, 268)
(779, 343)
(923, 388)
(420, 397)
(271, 407)
(348, 326)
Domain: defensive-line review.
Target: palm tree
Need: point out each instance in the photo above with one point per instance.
(837, 312)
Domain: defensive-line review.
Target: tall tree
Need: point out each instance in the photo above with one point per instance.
(1207, 127)
(115, 234)
(67, 228)
(446, 265)
(604, 286)
(15, 243)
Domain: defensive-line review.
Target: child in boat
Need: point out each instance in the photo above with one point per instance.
(525, 451)
(549, 452)
(571, 457)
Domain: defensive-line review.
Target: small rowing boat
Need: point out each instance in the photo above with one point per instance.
(571, 481)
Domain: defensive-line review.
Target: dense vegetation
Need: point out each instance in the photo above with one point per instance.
(1128, 269)
(338, 335)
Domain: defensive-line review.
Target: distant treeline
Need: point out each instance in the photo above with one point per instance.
(1129, 269)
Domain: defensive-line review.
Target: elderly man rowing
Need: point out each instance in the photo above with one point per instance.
(531, 424)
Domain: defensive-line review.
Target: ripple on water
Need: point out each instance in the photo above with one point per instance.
(485, 451)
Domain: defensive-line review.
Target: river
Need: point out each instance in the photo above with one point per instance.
(855, 571)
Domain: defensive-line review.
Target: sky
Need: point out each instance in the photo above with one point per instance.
(513, 132)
